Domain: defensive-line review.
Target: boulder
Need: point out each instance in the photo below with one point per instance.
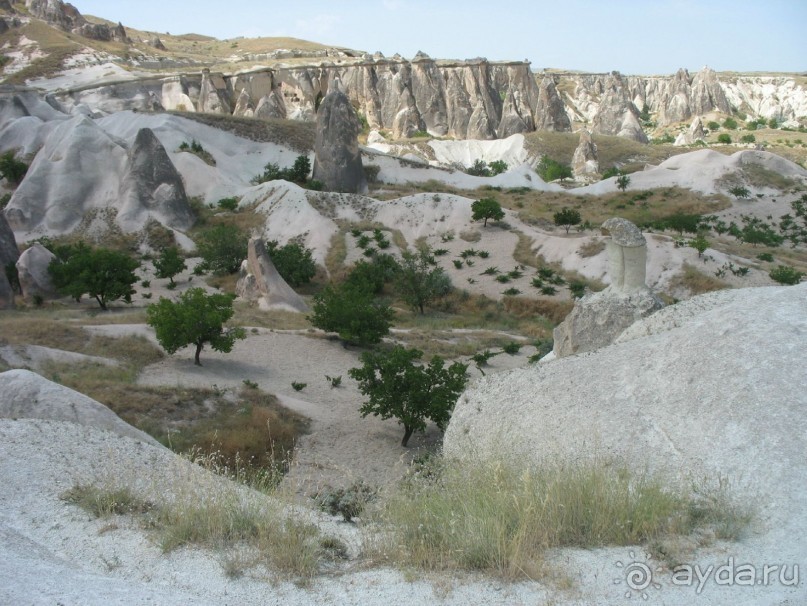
(585, 162)
(152, 188)
(32, 269)
(27, 395)
(260, 281)
(599, 318)
(337, 161)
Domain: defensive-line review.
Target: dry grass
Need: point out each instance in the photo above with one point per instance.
(591, 248)
(250, 315)
(297, 135)
(501, 519)
(694, 282)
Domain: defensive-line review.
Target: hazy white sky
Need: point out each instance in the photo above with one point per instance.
(631, 36)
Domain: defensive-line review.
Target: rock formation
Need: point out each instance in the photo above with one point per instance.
(260, 281)
(67, 18)
(155, 42)
(691, 136)
(599, 318)
(707, 94)
(337, 160)
(32, 269)
(550, 113)
(210, 99)
(27, 395)
(617, 115)
(152, 188)
(585, 162)
(9, 253)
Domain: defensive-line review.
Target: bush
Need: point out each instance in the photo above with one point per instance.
(566, 218)
(497, 167)
(611, 172)
(298, 386)
(712, 125)
(418, 282)
(230, 204)
(724, 138)
(578, 289)
(104, 274)
(622, 182)
(353, 313)
(293, 262)
(738, 191)
(773, 123)
(11, 169)
(511, 348)
(748, 139)
(347, 502)
(487, 208)
(478, 169)
(730, 124)
(169, 264)
(298, 173)
(550, 170)
(412, 394)
(222, 249)
(784, 274)
(195, 318)
(765, 257)
(372, 275)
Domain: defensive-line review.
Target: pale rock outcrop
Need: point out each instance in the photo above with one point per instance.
(585, 162)
(260, 281)
(152, 188)
(707, 95)
(550, 112)
(337, 161)
(32, 269)
(694, 134)
(155, 42)
(599, 318)
(67, 17)
(718, 395)
(617, 115)
(27, 395)
(210, 98)
(51, 200)
(676, 104)
(175, 95)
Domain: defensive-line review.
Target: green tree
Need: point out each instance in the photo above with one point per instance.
(700, 244)
(169, 264)
(551, 170)
(411, 393)
(418, 281)
(478, 169)
(487, 208)
(353, 313)
(497, 167)
(300, 170)
(724, 138)
(712, 125)
(566, 218)
(293, 261)
(195, 318)
(103, 274)
(730, 124)
(222, 248)
(372, 275)
(622, 182)
(11, 169)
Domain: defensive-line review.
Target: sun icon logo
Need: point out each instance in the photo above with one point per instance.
(638, 576)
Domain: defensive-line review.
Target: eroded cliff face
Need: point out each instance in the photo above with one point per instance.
(473, 99)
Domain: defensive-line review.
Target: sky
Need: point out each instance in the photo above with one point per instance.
(642, 37)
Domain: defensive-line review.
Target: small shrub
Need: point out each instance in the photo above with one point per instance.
(145, 283)
(440, 252)
(724, 138)
(511, 348)
(765, 257)
(347, 502)
(578, 289)
(250, 384)
(490, 271)
(548, 290)
(784, 274)
(730, 124)
(511, 292)
(482, 358)
(230, 204)
(363, 241)
(298, 386)
(483, 254)
(503, 278)
(740, 192)
(334, 381)
(457, 263)
(712, 125)
(748, 139)
(12, 169)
